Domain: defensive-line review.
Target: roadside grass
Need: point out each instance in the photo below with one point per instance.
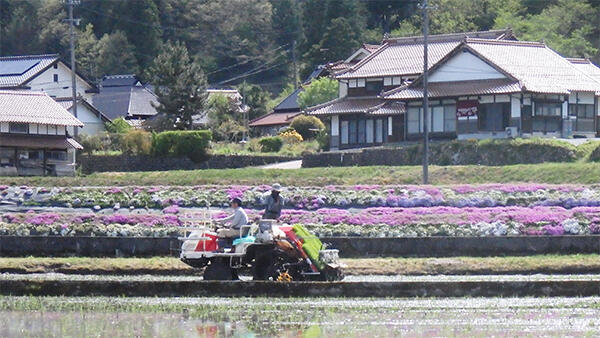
(549, 264)
(554, 173)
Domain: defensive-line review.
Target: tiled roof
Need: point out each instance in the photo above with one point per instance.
(450, 89)
(18, 70)
(273, 119)
(586, 66)
(123, 101)
(350, 105)
(390, 108)
(537, 67)
(404, 56)
(290, 102)
(39, 141)
(126, 80)
(34, 107)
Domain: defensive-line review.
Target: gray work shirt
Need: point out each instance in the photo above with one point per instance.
(238, 218)
(274, 208)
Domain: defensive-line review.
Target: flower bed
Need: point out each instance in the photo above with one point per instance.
(311, 198)
(369, 222)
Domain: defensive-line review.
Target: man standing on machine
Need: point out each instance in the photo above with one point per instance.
(275, 203)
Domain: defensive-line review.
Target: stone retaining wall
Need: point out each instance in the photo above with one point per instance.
(348, 246)
(101, 163)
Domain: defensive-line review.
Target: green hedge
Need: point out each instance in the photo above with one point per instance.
(595, 155)
(190, 143)
(270, 144)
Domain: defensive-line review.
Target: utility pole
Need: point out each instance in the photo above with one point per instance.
(72, 22)
(244, 112)
(294, 63)
(425, 95)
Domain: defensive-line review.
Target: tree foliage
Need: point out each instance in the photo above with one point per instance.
(318, 91)
(180, 85)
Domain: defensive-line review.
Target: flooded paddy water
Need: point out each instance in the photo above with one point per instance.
(295, 317)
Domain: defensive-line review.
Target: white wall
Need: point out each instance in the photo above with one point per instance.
(463, 67)
(92, 123)
(343, 89)
(62, 88)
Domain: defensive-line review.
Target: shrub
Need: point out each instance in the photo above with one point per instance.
(271, 144)
(90, 143)
(136, 142)
(118, 126)
(307, 126)
(595, 155)
(190, 143)
(291, 137)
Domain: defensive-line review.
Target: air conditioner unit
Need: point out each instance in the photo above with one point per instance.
(511, 132)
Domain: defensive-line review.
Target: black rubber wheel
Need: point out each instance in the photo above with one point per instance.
(269, 265)
(218, 270)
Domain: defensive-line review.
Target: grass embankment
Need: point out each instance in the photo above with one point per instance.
(555, 173)
(549, 264)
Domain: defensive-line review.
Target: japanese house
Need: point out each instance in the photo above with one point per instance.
(47, 73)
(482, 85)
(35, 135)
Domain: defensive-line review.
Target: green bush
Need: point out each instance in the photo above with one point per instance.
(271, 144)
(118, 126)
(190, 143)
(307, 126)
(136, 142)
(595, 155)
(90, 143)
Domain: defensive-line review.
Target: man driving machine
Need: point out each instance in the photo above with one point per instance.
(236, 221)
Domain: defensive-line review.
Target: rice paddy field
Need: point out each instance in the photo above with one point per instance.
(298, 317)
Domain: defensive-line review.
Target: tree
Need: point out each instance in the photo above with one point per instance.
(566, 26)
(115, 55)
(318, 91)
(179, 83)
(87, 52)
(54, 33)
(18, 32)
(307, 126)
(255, 98)
(224, 119)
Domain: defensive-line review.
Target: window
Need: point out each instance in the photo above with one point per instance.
(57, 155)
(344, 132)
(19, 128)
(450, 118)
(55, 66)
(548, 109)
(369, 131)
(374, 87)
(582, 111)
(547, 117)
(55, 77)
(584, 114)
(379, 131)
(414, 123)
(438, 119)
(361, 131)
(494, 116)
(352, 132)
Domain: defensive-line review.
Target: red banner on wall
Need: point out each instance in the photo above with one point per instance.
(467, 108)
